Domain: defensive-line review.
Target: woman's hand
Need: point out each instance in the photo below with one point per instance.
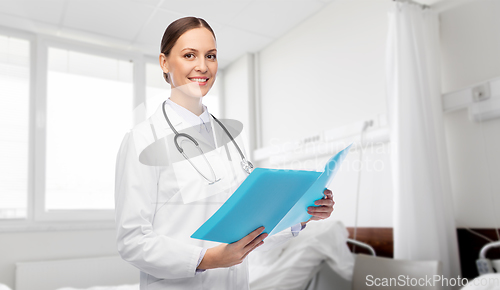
(227, 255)
(323, 209)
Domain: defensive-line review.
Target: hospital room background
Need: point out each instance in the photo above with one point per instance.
(414, 85)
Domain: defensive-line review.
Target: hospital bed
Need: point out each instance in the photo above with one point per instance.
(489, 271)
(325, 262)
(318, 259)
(324, 277)
(484, 265)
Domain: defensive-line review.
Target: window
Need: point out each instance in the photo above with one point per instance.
(14, 126)
(61, 126)
(89, 109)
(157, 89)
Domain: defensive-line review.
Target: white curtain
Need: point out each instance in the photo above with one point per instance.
(424, 223)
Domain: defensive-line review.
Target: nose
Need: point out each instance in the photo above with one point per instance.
(201, 66)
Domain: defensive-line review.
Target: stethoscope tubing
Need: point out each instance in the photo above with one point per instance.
(246, 164)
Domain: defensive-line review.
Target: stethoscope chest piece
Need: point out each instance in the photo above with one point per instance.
(246, 165)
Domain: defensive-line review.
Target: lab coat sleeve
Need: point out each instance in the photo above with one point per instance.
(135, 194)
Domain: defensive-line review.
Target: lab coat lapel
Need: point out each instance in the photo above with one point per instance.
(161, 124)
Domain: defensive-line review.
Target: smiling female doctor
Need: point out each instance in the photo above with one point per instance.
(163, 196)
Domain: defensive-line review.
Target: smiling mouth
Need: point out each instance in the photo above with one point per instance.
(199, 80)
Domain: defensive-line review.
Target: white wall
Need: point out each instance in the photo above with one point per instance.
(470, 47)
(237, 83)
(327, 72)
(38, 246)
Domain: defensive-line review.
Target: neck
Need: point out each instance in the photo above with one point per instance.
(193, 104)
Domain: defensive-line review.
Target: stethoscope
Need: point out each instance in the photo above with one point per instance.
(245, 164)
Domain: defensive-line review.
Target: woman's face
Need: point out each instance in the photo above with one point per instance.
(192, 62)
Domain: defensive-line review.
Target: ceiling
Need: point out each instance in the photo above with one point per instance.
(240, 25)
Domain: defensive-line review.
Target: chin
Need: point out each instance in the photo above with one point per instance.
(193, 90)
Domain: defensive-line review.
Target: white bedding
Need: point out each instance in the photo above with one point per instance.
(484, 282)
(289, 267)
(119, 287)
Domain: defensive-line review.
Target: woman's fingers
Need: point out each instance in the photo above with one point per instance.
(255, 247)
(226, 255)
(322, 215)
(250, 237)
(326, 202)
(250, 242)
(255, 243)
(314, 218)
(323, 208)
(313, 209)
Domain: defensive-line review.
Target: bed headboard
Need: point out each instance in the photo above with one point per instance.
(77, 273)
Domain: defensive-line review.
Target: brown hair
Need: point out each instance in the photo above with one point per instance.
(178, 28)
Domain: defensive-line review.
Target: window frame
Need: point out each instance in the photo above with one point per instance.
(37, 218)
(31, 38)
(147, 60)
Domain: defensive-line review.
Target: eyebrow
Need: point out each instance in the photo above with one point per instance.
(188, 48)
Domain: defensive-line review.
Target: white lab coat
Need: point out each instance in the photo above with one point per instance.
(159, 207)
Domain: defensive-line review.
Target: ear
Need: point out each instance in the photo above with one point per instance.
(163, 63)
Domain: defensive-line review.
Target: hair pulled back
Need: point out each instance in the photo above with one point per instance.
(178, 28)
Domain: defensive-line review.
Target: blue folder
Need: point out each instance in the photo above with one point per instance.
(274, 198)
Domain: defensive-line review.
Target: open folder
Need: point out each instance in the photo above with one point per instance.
(274, 198)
